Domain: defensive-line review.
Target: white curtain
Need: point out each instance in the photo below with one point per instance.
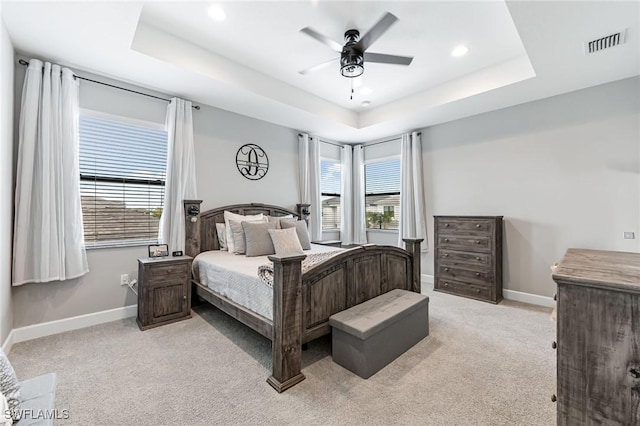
(48, 241)
(180, 183)
(359, 220)
(412, 210)
(346, 195)
(309, 181)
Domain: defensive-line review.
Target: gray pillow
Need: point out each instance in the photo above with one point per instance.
(301, 230)
(237, 234)
(277, 219)
(285, 241)
(10, 387)
(257, 239)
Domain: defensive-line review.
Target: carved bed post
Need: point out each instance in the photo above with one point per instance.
(192, 227)
(303, 212)
(413, 247)
(286, 345)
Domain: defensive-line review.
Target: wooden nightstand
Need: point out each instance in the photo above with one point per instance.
(164, 290)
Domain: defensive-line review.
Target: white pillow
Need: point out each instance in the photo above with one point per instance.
(228, 216)
(285, 241)
(221, 230)
(237, 234)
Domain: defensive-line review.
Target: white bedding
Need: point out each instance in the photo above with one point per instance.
(236, 277)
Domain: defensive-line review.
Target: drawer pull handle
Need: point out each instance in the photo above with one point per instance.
(446, 269)
(477, 241)
(554, 345)
(478, 290)
(446, 284)
(477, 257)
(169, 271)
(478, 226)
(635, 373)
(553, 398)
(184, 297)
(446, 225)
(446, 240)
(477, 274)
(445, 255)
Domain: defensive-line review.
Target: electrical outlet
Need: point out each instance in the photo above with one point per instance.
(628, 235)
(124, 279)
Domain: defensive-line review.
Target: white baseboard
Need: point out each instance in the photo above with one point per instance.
(35, 331)
(533, 299)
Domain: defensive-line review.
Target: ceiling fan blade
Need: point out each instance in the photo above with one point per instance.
(333, 45)
(387, 59)
(317, 67)
(376, 31)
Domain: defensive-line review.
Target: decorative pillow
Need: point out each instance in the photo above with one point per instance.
(237, 234)
(9, 386)
(277, 219)
(221, 230)
(301, 229)
(257, 239)
(285, 241)
(228, 216)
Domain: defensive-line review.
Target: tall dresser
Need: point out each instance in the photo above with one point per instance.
(598, 340)
(468, 256)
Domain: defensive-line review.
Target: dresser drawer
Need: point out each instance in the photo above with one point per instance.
(457, 258)
(478, 277)
(465, 242)
(484, 226)
(470, 290)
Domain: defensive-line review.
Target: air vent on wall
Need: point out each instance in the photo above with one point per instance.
(605, 42)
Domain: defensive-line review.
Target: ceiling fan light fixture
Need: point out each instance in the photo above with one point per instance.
(351, 64)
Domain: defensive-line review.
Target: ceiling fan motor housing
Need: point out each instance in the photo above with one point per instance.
(351, 58)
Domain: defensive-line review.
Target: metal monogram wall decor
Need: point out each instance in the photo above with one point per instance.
(252, 161)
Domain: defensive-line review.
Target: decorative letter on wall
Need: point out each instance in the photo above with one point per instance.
(252, 161)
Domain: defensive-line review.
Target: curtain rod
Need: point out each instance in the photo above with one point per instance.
(330, 143)
(387, 140)
(197, 107)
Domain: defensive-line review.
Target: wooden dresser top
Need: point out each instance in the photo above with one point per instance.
(600, 268)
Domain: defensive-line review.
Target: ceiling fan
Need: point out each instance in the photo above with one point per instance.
(353, 54)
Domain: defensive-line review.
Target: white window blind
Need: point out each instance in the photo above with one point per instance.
(330, 183)
(122, 177)
(382, 193)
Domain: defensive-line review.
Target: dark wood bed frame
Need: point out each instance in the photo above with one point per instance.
(303, 303)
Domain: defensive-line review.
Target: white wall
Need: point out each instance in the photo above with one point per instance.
(6, 179)
(218, 135)
(563, 171)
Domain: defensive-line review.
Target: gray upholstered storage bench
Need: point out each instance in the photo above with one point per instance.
(370, 335)
(38, 400)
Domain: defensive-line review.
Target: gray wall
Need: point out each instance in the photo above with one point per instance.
(6, 180)
(563, 171)
(218, 135)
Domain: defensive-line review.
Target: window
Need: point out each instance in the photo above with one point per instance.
(382, 193)
(122, 177)
(330, 185)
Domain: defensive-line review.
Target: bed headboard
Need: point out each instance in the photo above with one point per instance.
(200, 234)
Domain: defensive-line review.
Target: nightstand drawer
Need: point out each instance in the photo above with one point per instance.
(177, 269)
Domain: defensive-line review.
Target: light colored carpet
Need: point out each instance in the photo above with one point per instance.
(481, 365)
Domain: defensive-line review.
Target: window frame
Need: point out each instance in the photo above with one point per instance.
(330, 194)
(380, 160)
(153, 182)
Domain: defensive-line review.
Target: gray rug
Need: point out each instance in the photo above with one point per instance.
(481, 365)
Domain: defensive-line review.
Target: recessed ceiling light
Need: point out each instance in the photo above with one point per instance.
(366, 91)
(366, 103)
(460, 51)
(216, 13)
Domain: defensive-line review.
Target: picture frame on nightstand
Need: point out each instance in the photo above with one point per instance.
(158, 250)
